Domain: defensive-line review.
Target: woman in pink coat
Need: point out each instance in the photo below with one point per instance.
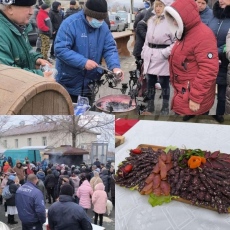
(99, 200)
(84, 194)
(156, 50)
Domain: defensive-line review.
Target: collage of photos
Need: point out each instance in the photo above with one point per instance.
(114, 115)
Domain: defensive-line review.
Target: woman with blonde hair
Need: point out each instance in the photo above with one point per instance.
(156, 50)
(95, 180)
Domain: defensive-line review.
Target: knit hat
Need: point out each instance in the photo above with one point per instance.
(21, 2)
(40, 2)
(96, 9)
(11, 177)
(72, 3)
(45, 6)
(66, 189)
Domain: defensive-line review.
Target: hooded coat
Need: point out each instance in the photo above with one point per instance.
(99, 199)
(194, 59)
(158, 33)
(84, 194)
(19, 170)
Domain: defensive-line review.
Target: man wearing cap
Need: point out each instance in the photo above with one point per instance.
(30, 204)
(73, 8)
(15, 49)
(66, 214)
(82, 41)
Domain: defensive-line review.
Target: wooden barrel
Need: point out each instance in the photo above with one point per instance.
(25, 93)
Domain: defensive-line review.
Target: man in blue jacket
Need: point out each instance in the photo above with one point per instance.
(30, 205)
(83, 39)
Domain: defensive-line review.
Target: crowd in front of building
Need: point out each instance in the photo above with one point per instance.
(71, 191)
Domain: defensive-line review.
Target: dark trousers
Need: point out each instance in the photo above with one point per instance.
(5, 206)
(76, 199)
(163, 80)
(50, 193)
(113, 200)
(33, 226)
(221, 99)
(52, 47)
(100, 218)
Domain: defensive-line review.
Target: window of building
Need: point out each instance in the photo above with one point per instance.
(29, 141)
(16, 143)
(5, 143)
(44, 141)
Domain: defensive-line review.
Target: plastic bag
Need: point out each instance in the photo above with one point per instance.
(82, 106)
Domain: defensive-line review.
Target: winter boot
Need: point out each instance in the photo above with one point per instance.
(151, 106)
(9, 219)
(12, 220)
(165, 108)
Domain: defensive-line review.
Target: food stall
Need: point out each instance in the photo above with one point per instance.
(133, 210)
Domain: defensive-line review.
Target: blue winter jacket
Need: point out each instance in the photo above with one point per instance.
(220, 24)
(206, 15)
(75, 43)
(30, 204)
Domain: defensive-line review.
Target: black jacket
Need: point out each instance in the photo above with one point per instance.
(13, 188)
(104, 175)
(50, 181)
(71, 11)
(55, 16)
(66, 214)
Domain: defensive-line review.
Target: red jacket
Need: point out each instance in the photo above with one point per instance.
(194, 62)
(42, 19)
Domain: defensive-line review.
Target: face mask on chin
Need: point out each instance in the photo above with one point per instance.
(96, 23)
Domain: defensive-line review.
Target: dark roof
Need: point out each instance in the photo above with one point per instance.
(66, 150)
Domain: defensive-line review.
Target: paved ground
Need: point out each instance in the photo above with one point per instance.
(108, 221)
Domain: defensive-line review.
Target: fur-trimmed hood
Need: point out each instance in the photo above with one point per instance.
(186, 14)
(219, 12)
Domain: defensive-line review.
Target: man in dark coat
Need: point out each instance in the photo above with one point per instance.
(56, 20)
(66, 214)
(74, 7)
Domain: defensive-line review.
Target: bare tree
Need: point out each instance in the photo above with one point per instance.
(77, 125)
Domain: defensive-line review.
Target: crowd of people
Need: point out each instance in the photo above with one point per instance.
(71, 191)
(184, 43)
(81, 40)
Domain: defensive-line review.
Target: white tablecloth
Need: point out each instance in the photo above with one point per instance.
(133, 212)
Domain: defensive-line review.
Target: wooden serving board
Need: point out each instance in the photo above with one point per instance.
(155, 148)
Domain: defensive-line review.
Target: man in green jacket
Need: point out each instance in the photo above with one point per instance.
(15, 49)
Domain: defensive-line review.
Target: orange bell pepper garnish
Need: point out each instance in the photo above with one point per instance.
(195, 161)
